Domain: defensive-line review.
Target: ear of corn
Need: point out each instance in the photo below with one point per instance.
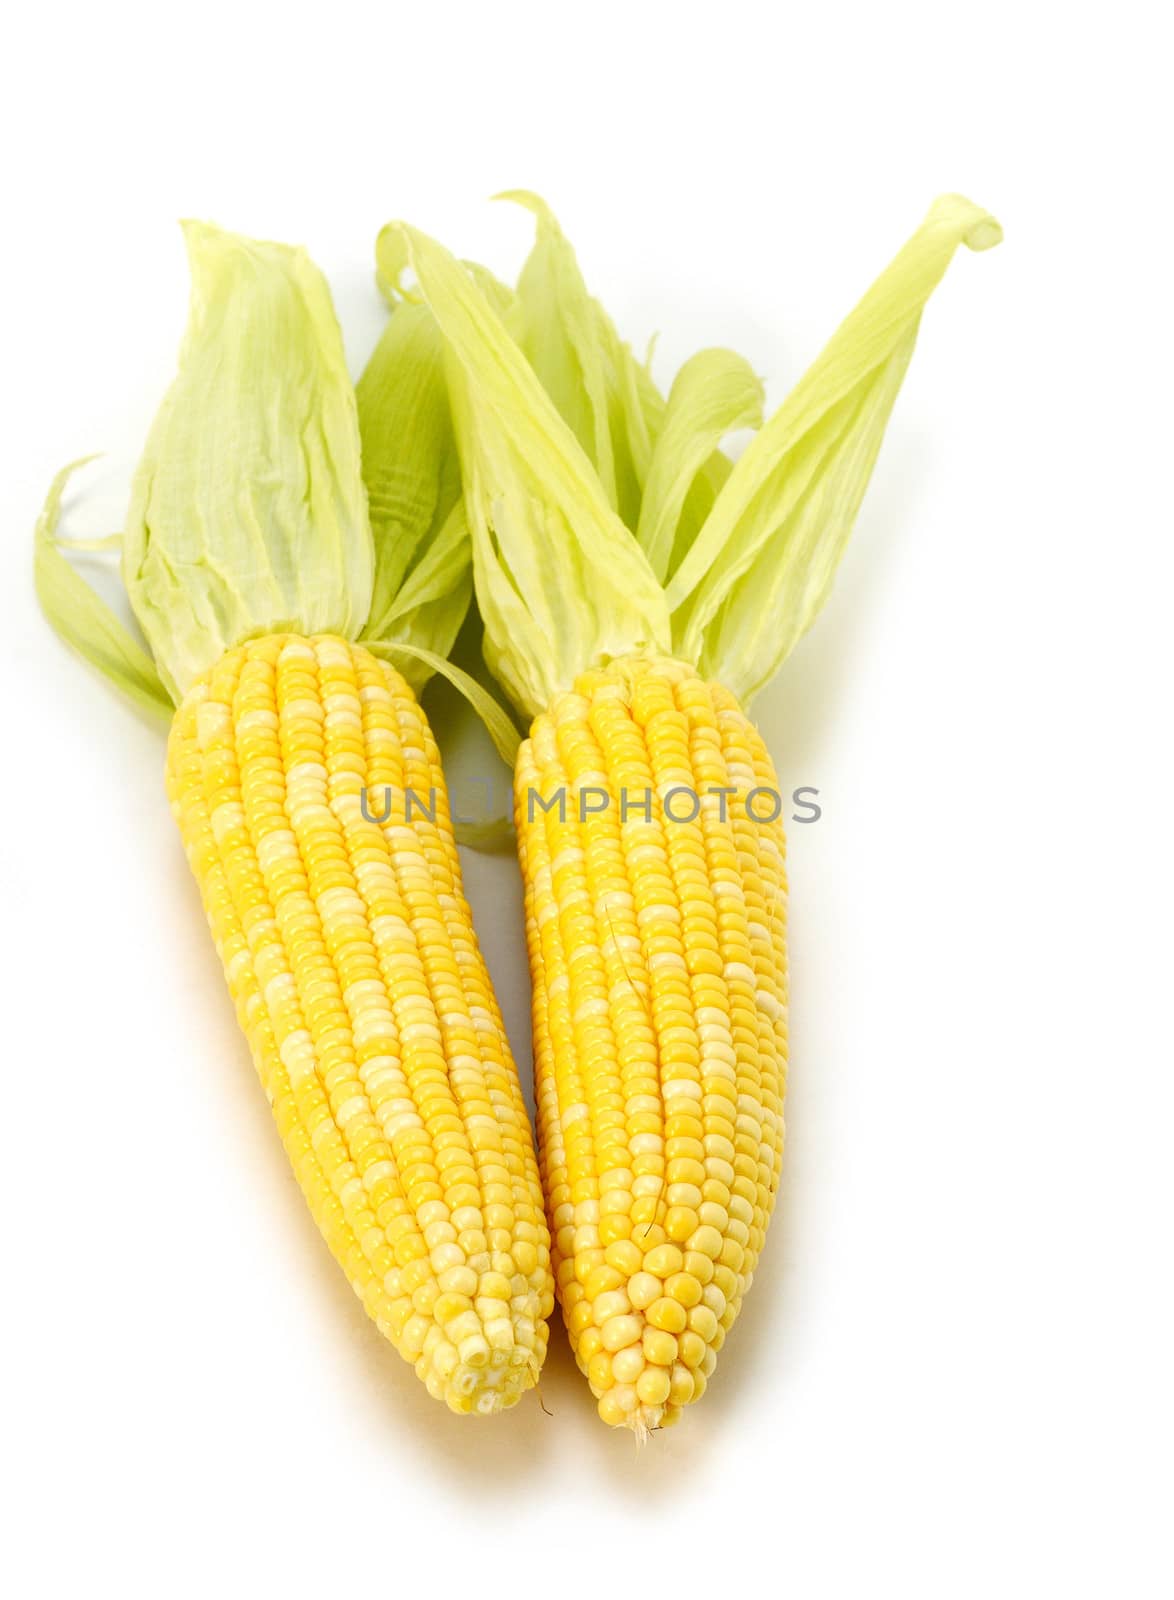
(657, 933)
(350, 953)
(658, 953)
(308, 791)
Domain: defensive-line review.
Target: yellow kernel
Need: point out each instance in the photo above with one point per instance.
(613, 1304)
(599, 1372)
(732, 1255)
(612, 1411)
(660, 1348)
(680, 1223)
(590, 1343)
(623, 1255)
(643, 1289)
(458, 1280)
(703, 1322)
(620, 1331)
(684, 1288)
(707, 1241)
(600, 1280)
(474, 1351)
(625, 1398)
(449, 1306)
(727, 1281)
(525, 1256)
(425, 1298)
(698, 1266)
(627, 1364)
(692, 1348)
(445, 1358)
(664, 1260)
(715, 1300)
(668, 1315)
(653, 1386)
(680, 1385)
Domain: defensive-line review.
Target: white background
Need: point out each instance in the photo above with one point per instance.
(952, 1376)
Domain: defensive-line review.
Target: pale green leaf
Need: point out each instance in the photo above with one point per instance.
(410, 462)
(500, 296)
(714, 393)
(560, 581)
(765, 612)
(557, 327)
(433, 600)
(635, 411)
(759, 570)
(248, 513)
(83, 620)
(440, 569)
(599, 389)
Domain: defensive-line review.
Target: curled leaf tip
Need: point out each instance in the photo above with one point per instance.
(528, 200)
(391, 258)
(976, 227)
(985, 234)
(84, 621)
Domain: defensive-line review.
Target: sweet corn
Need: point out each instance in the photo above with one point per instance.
(350, 953)
(658, 957)
(637, 588)
(307, 787)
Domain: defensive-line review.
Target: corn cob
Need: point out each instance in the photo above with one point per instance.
(308, 791)
(656, 922)
(350, 953)
(658, 955)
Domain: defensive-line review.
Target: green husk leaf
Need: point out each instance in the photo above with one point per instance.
(635, 410)
(758, 572)
(500, 296)
(560, 581)
(248, 513)
(84, 621)
(714, 393)
(605, 396)
(557, 327)
(410, 462)
(431, 606)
